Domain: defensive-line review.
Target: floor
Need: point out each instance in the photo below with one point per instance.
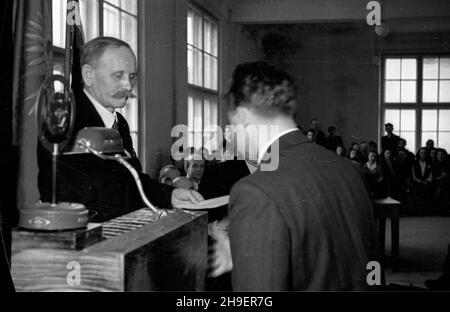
(423, 247)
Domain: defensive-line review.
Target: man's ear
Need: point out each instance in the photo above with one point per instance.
(88, 74)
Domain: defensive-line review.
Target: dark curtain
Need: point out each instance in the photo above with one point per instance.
(8, 154)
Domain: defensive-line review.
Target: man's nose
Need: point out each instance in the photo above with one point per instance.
(127, 83)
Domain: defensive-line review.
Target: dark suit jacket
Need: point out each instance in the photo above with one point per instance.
(102, 185)
(306, 226)
(218, 180)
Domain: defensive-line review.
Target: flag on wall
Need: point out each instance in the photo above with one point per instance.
(32, 65)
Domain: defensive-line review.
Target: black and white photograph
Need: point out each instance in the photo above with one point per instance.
(222, 152)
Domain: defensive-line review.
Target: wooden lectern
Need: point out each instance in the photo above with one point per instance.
(130, 253)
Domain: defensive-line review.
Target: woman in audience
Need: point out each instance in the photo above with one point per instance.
(441, 172)
(340, 150)
(423, 178)
(373, 173)
(311, 135)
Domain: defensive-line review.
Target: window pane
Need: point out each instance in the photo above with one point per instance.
(210, 72)
(392, 69)
(89, 18)
(408, 120)
(115, 2)
(130, 6)
(444, 120)
(211, 138)
(190, 121)
(430, 68)
(444, 91)
(197, 30)
(392, 116)
(428, 136)
(392, 91)
(195, 120)
(215, 39)
(59, 8)
(198, 68)
(409, 67)
(444, 140)
(410, 137)
(430, 91)
(190, 27)
(429, 120)
(190, 62)
(111, 21)
(444, 70)
(207, 34)
(129, 33)
(408, 91)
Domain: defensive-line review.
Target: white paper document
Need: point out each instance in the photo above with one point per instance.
(209, 204)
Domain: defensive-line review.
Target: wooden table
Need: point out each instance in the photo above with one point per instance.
(130, 253)
(389, 208)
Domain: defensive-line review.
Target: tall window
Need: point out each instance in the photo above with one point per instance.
(416, 98)
(203, 64)
(114, 18)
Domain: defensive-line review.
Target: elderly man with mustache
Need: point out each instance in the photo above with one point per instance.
(109, 75)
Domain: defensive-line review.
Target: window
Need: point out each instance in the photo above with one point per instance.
(203, 64)
(115, 18)
(416, 98)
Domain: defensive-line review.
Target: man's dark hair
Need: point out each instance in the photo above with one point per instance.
(262, 88)
(94, 49)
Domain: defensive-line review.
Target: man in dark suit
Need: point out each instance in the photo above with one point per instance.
(304, 219)
(390, 140)
(109, 74)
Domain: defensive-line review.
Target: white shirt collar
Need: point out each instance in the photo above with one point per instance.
(107, 117)
(266, 146)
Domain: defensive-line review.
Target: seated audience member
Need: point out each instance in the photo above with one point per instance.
(402, 147)
(354, 147)
(422, 177)
(433, 157)
(429, 145)
(441, 173)
(340, 150)
(168, 173)
(354, 157)
(364, 149)
(388, 168)
(311, 135)
(390, 140)
(194, 166)
(332, 140)
(374, 176)
(319, 137)
(373, 147)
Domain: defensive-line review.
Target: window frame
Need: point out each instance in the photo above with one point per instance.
(206, 92)
(418, 106)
